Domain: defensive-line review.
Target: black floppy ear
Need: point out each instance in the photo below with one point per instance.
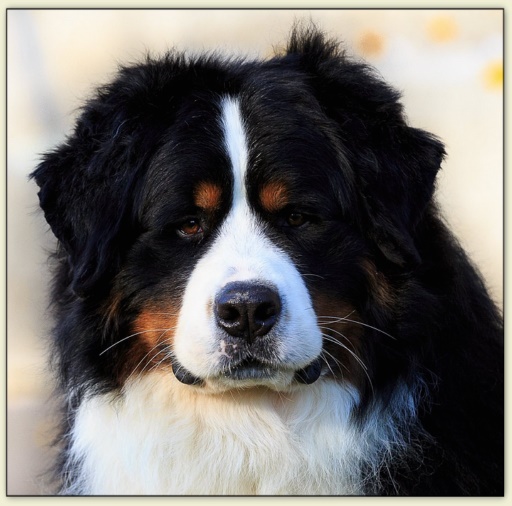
(85, 195)
(394, 165)
(397, 175)
(88, 187)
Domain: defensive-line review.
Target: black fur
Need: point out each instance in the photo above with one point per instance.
(337, 134)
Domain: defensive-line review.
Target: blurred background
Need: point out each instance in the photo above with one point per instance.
(447, 63)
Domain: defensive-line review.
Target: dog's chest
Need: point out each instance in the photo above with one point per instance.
(158, 439)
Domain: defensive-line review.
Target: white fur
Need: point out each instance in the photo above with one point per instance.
(242, 252)
(161, 437)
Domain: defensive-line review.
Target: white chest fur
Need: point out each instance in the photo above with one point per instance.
(162, 438)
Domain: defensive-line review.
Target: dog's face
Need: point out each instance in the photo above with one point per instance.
(246, 313)
(237, 224)
(239, 244)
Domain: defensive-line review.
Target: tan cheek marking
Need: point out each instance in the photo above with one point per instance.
(156, 325)
(207, 196)
(379, 285)
(152, 335)
(338, 321)
(274, 196)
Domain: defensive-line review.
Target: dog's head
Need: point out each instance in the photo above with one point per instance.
(236, 222)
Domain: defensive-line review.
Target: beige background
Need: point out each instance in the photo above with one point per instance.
(447, 63)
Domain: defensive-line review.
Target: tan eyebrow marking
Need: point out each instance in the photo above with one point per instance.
(207, 196)
(274, 196)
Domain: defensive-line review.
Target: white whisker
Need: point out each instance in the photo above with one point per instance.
(338, 362)
(321, 327)
(335, 341)
(149, 352)
(354, 355)
(167, 354)
(132, 335)
(314, 276)
(336, 319)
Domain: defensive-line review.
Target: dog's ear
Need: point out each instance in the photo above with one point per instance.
(84, 193)
(87, 185)
(394, 165)
(397, 175)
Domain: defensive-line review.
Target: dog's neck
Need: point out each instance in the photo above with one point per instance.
(161, 437)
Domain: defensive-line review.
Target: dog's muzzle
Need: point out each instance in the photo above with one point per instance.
(246, 313)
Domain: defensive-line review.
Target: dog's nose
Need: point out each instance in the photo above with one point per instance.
(247, 310)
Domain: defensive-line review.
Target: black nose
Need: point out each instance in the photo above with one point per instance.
(247, 310)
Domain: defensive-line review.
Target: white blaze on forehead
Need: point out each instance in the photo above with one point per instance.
(242, 251)
(236, 145)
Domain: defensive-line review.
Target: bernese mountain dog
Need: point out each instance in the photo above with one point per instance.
(255, 292)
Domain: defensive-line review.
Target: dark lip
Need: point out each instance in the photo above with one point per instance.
(184, 375)
(309, 374)
(254, 369)
(250, 369)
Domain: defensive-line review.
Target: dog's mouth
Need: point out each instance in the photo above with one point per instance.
(250, 369)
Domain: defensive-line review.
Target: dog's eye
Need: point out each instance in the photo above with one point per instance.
(296, 219)
(190, 227)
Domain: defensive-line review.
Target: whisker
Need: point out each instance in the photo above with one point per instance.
(338, 318)
(167, 354)
(322, 327)
(149, 352)
(338, 362)
(371, 327)
(314, 275)
(335, 341)
(364, 367)
(328, 365)
(143, 359)
(133, 335)
(335, 319)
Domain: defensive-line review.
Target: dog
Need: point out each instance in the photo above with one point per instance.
(255, 292)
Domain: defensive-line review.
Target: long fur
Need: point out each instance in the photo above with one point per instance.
(243, 442)
(383, 373)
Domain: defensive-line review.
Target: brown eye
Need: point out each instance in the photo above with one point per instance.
(296, 219)
(190, 227)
